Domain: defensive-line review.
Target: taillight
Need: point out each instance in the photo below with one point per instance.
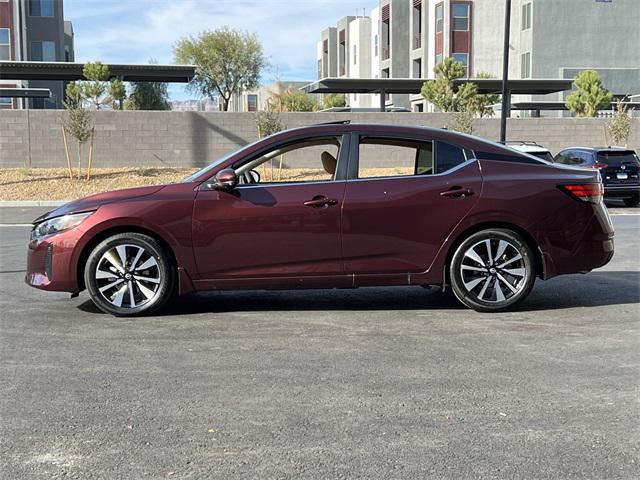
(587, 192)
(600, 166)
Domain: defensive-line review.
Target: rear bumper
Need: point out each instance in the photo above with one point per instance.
(49, 263)
(583, 249)
(612, 191)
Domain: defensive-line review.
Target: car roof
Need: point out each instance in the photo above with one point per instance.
(528, 148)
(466, 141)
(600, 149)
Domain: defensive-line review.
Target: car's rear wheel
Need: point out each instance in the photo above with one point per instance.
(492, 270)
(129, 274)
(632, 201)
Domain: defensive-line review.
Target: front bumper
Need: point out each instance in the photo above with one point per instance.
(50, 262)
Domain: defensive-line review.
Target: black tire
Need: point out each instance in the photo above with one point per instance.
(492, 283)
(129, 289)
(632, 201)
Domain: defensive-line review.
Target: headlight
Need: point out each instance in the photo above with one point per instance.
(57, 225)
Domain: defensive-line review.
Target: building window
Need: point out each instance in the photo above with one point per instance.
(355, 54)
(439, 18)
(43, 51)
(375, 45)
(417, 24)
(525, 68)
(417, 68)
(438, 58)
(464, 59)
(252, 103)
(41, 8)
(460, 17)
(5, 44)
(67, 54)
(5, 102)
(526, 16)
(319, 68)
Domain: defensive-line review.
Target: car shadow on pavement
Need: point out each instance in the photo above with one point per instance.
(601, 288)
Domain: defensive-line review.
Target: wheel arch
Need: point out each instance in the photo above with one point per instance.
(526, 236)
(114, 230)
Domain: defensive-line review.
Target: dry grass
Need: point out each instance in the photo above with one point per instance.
(54, 183)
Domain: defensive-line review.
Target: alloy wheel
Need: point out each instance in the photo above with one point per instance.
(128, 276)
(493, 270)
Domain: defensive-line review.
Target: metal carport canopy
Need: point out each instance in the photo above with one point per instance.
(529, 86)
(10, 70)
(25, 92)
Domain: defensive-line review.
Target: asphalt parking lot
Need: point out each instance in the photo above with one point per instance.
(369, 383)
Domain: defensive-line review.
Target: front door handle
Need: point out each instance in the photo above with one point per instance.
(320, 201)
(457, 192)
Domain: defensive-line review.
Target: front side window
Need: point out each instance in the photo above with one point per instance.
(41, 8)
(309, 160)
(439, 18)
(392, 157)
(5, 44)
(460, 16)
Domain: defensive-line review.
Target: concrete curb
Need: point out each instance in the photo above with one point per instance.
(32, 203)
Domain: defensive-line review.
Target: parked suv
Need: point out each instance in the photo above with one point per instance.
(532, 148)
(618, 167)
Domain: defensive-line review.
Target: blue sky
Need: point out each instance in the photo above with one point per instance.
(133, 31)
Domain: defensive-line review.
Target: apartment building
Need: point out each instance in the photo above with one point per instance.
(549, 39)
(35, 30)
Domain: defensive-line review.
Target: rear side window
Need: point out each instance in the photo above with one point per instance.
(543, 155)
(448, 156)
(571, 157)
(390, 157)
(617, 159)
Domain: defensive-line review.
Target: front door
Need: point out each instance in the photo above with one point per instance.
(282, 221)
(408, 197)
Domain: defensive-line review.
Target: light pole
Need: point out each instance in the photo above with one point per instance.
(505, 112)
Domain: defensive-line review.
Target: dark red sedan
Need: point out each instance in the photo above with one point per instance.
(333, 206)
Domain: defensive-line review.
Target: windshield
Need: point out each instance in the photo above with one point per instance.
(616, 159)
(217, 162)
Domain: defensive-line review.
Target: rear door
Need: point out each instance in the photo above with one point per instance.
(403, 198)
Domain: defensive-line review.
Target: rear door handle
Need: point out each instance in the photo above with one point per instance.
(320, 201)
(457, 192)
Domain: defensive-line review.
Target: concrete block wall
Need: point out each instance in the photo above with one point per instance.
(33, 138)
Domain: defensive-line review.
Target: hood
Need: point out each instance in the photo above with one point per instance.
(94, 201)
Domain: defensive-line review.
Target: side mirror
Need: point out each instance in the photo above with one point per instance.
(226, 179)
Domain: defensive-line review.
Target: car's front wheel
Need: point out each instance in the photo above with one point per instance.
(492, 270)
(129, 274)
